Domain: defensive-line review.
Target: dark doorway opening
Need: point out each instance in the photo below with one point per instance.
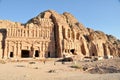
(25, 54)
(48, 54)
(36, 53)
(93, 54)
(73, 51)
(11, 54)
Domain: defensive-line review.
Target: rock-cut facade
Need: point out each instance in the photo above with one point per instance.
(50, 35)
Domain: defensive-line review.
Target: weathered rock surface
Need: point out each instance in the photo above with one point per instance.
(71, 37)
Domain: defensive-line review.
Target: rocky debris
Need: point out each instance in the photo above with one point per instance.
(36, 67)
(101, 67)
(52, 71)
(103, 70)
(31, 62)
(20, 66)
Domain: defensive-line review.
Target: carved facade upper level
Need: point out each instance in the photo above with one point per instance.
(44, 33)
(17, 30)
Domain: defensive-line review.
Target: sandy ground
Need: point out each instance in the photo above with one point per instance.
(37, 70)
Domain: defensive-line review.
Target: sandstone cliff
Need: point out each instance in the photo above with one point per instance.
(71, 34)
(73, 37)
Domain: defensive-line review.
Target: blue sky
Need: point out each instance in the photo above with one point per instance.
(101, 15)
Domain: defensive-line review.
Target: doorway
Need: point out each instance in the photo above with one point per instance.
(36, 53)
(11, 55)
(48, 54)
(93, 54)
(25, 53)
(72, 51)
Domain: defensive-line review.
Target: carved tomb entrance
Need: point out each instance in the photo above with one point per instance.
(25, 54)
(36, 53)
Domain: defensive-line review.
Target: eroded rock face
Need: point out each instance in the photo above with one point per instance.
(51, 35)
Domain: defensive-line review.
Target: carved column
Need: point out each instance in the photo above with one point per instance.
(15, 32)
(26, 33)
(22, 32)
(39, 52)
(75, 35)
(42, 46)
(18, 50)
(40, 49)
(11, 31)
(8, 50)
(15, 52)
(8, 32)
(5, 50)
(29, 32)
(47, 34)
(33, 52)
(19, 33)
(37, 33)
(1, 50)
(33, 32)
(42, 34)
